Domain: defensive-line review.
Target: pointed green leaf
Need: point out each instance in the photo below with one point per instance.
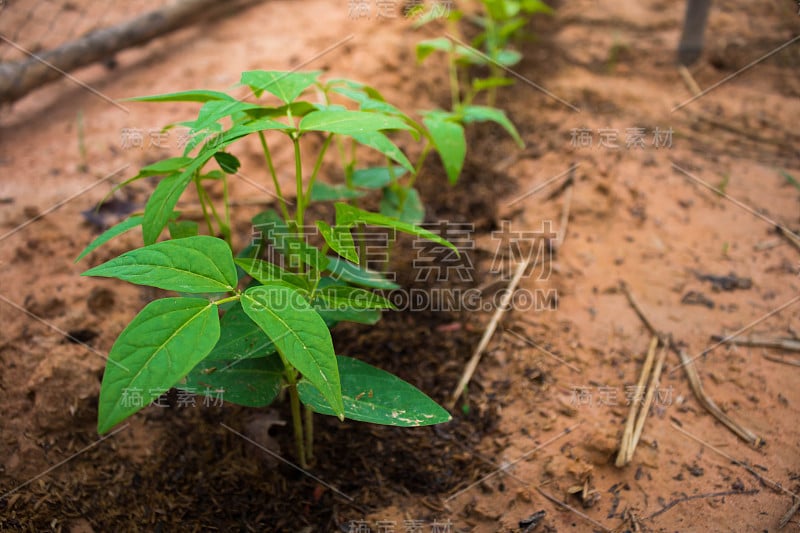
(344, 270)
(240, 337)
(350, 122)
(295, 250)
(285, 85)
(476, 113)
(251, 382)
(376, 177)
(161, 203)
(322, 192)
(265, 272)
(376, 396)
(183, 96)
(182, 229)
(342, 297)
(380, 142)
(228, 162)
(126, 225)
(194, 265)
(412, 211)
(339, 239)
(450, 142)
(427, 47)
(165, 166)
(347, 216)
(160, 346)
(299, 334)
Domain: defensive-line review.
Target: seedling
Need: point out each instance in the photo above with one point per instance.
(251, 325)
(501, 23)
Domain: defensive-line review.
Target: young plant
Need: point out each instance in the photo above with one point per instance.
(501, 23)
(253, 325)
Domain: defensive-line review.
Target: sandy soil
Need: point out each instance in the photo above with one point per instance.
(547, 407)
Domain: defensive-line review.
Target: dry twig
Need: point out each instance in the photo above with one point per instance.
(487, 335)
(694, 378)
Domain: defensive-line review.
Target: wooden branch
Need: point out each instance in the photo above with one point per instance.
(21, 77)
(487, 335)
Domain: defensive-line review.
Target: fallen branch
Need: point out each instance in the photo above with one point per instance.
(694, 378)
(487, 335)
(19, 78)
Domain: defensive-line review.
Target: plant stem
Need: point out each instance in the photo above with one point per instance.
(309, 427)
(226, 200)
(298, 171)
(222, 301)
(317, 166)
(203, 204)
(271, 167)
(297, 419)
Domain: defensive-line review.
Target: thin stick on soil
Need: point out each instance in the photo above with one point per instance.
(790, 513)
(763, 480)
(487, 335)
(634, 432)
(792, 362)
(779, 343)
(673, 503)
(694, 378)
(572, 509)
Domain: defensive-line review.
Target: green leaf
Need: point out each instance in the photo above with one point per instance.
(482, 84)
(161, 203)
(429, 46)
(350, 122)
(382, 143)
(343, 297)
(183, 96)
(227, 162)
(450, 142)
(214, 111)
(250, 382)
(475, 113)
(366, 102)
(160, 346)
(332, 315)
(376, 177)
(240, 337)
(194, 265)
(299, 334)
(285, 85)
(322, 192)
(413, 211)
(347, 216)
(376, 396)
(165, 166)
(339, 239)
(265, 272)
(507, 57)
(183, 229)
(283, 239)
(114, 231)
(344, 270)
